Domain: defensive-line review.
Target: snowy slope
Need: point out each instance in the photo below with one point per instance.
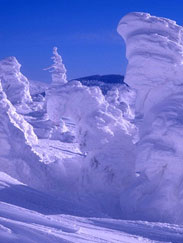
(28, 216)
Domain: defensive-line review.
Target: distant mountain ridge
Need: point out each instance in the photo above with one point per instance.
(105, 82)
(108, 78)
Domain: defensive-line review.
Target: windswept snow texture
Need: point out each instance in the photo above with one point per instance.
(155, 55)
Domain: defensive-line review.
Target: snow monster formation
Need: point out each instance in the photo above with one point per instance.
(104, 136)
(154, 49)
(58, 69)
(18, 157)
(14, 83)
(59, 79)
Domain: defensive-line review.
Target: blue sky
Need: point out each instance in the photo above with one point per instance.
(83, 30)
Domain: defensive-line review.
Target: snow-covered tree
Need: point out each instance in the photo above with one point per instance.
(154, 51)
(104, 136)
(57, 69)
(14, 83)
(18, 157)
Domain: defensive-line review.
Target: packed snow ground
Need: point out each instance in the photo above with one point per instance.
(29, 216)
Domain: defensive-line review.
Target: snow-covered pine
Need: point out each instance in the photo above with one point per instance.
(14, 83)
(154, 48)
(57, 69)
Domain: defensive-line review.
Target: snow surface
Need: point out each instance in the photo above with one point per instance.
(84, 163)
(27, 215)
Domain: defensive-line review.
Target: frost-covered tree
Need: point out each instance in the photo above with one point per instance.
(59, 78)
(104, 136)
(17, 139)
(155, 70)
(14, 83)
(57, 69)
(19, 153)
